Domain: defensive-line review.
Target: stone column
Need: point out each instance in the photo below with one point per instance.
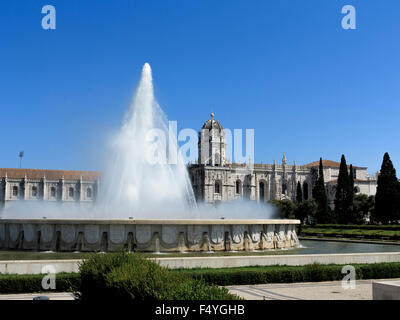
(256, 189)
(80, 189)
(97, 191)
(44, 188)
(6, 187)
(252, 187)
(268, 186)
(26, 189)
(62, 189)
(294, 185)
(273, 182)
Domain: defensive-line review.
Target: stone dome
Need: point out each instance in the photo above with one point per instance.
(212, 124)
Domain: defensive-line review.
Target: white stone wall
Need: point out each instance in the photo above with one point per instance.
(43, 190)
(331, 174)
(368, 187)
(362, 174)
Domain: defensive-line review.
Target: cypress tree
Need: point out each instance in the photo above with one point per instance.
(387, 194)
(323, 214)
(343, 195)
(299, 193)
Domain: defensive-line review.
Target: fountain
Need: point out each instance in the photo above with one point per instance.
(147, 202)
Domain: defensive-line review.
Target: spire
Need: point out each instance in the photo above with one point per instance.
(284, 158)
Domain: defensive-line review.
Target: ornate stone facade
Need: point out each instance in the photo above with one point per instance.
(49, 185)
(214, 179)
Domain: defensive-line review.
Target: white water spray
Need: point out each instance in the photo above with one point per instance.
(143, 181)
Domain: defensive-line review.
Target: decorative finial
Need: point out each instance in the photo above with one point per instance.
(284, 159)
(212, 115)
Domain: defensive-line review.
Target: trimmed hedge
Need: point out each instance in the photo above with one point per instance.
(351, 233)
(393, 227)
(289, 274)
(108, 279)
(24, 283)
(126, 277)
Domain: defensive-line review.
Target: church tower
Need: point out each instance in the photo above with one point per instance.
(212, 143)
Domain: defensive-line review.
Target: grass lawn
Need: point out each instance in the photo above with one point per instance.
(350, 233)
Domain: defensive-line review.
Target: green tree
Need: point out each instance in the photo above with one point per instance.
(285, 207)
(362, 207)
(305, 209)
(344, 194)
(323, 213)
(299, 193)
(387, 199)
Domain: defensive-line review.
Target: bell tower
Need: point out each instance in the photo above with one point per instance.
(212, 143)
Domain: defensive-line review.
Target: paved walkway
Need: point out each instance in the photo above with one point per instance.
(331, 290)
(30, 296)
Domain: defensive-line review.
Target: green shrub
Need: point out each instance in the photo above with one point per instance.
(94, 269)
(24, 283)
(289, 274)
(129, 276)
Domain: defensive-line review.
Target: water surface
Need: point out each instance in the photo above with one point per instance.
(320, 247)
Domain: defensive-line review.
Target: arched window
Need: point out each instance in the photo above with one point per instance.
(15, 191)
(217, 188)
(53, 192)
(284, 188)
(217, 159)
(305, 191)
(34, 191)
(261, 191)
(238, 186)
(71, 192)
(89, 193)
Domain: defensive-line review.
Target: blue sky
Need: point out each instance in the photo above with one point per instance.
(284, 68)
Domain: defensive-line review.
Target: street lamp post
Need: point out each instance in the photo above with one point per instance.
(21, 154)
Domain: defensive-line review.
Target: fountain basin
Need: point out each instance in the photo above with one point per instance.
(151, 235)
